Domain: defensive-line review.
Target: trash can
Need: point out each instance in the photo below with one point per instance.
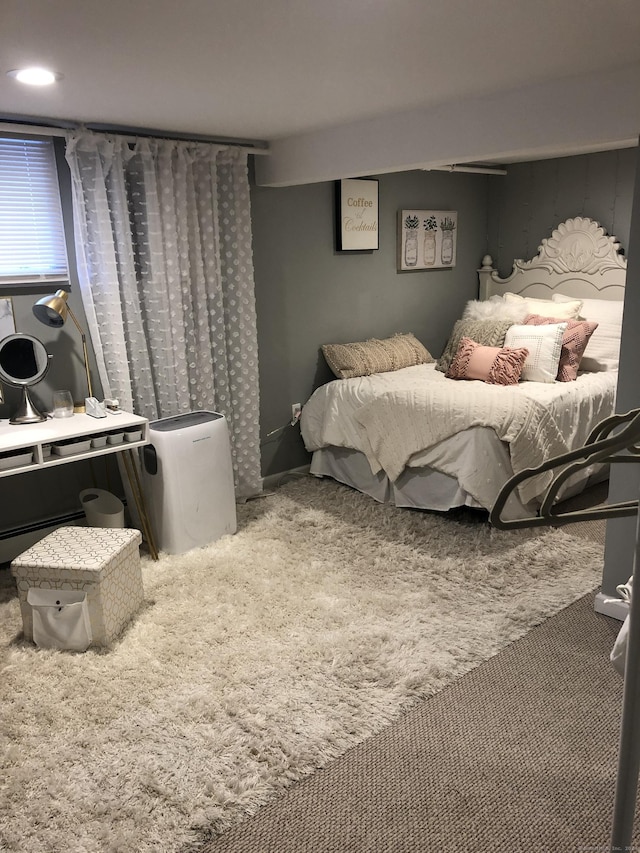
(188, 478)
(102, 508)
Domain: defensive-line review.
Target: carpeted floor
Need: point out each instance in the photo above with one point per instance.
(325, 621)
(518, 756)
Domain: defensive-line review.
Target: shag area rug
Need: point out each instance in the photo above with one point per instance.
(258, 659)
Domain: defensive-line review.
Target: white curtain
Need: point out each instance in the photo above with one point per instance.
(163, 243)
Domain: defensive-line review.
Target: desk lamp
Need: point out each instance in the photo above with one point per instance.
(52, 310)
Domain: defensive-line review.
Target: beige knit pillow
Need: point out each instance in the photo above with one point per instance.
(489, 333)
(363, 358)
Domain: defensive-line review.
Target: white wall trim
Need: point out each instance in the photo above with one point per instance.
(273, 481)
(609, 606)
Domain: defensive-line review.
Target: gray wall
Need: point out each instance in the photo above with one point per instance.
(534, 198)
(307, 294)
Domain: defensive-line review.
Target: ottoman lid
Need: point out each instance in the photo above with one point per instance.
(89, 549)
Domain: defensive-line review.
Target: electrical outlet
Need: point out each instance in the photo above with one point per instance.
(296, 411)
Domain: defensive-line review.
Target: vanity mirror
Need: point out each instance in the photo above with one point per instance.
(23, 362)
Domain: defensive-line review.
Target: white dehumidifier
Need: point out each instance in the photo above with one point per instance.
(189, 480)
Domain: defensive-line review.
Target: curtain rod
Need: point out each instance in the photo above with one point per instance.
(50, 130)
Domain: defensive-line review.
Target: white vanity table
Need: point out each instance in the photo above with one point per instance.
(58, 441)
(33, 444)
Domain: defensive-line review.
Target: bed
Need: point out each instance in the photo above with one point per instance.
(429, 435)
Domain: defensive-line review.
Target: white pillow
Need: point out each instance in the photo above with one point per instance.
(544, 344)
(495, 308)
(603, 349)
(547, 308)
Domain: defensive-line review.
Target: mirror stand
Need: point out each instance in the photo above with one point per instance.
(23, 362)
(26, 413)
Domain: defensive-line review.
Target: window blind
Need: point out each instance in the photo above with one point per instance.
(32, 244)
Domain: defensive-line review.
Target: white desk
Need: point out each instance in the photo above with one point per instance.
(25, 447)
(25, 439)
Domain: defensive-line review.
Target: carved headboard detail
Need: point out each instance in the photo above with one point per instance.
(579, 259)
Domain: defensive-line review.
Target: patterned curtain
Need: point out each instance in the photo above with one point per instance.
(163, 244)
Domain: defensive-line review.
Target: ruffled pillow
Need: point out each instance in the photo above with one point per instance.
(574, 341)
(494, 365)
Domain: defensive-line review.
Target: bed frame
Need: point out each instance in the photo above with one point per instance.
(579, 259)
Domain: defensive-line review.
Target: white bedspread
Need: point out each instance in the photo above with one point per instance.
(395, 417)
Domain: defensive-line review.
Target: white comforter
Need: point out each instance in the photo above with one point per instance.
(395, 417)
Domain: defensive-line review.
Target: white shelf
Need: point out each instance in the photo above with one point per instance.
(29, 438)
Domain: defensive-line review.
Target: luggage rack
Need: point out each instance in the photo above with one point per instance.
(603, 445)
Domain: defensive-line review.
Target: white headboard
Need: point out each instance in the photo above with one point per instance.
(579, 259)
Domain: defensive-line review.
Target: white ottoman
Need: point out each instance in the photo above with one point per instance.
(103, 562)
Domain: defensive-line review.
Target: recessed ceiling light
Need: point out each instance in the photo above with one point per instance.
(35, 76)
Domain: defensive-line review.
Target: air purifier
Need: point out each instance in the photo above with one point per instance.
(188, 478)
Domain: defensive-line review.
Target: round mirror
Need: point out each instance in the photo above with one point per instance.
(23, 362)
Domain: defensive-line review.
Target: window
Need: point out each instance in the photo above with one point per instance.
(32, 242)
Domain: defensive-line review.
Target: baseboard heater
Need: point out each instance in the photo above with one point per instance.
(57, 521)
(17, 539)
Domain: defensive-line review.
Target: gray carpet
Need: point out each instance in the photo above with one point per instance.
(518, 755)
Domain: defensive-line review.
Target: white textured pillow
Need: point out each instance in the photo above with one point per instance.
(495, 308)
(547, 307)
(545, 347)
(603, 349)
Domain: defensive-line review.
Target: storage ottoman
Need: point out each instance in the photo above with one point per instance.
(102, 562)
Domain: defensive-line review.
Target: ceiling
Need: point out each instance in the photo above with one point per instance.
(281, 69)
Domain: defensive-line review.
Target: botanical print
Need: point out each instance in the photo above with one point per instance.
(426, 239)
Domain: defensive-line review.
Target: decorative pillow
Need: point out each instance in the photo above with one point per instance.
(375, 356)
(495, 308)
(545, 307)
(604, 346)
(486, 332)
(495, 365)
(544, 344)
(574, 341)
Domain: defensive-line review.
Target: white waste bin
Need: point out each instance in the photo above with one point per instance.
(188, 479)
(102, 508)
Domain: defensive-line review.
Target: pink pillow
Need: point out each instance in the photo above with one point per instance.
(574, 341)
(495, 365)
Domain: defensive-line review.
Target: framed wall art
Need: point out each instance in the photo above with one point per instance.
(356, 215)
(427, 239)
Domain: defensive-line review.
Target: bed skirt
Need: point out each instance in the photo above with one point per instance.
(422, 487)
